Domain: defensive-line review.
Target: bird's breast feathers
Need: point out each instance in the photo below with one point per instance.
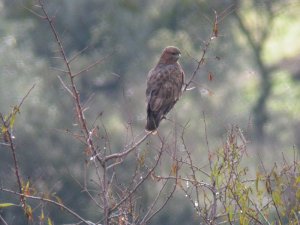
(164, 73)
(164, 85)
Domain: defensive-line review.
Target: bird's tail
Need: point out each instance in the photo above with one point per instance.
(152, 121)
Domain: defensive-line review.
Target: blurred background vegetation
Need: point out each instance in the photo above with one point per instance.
(255, 83)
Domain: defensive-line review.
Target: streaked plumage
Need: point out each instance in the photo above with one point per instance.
(164, 87)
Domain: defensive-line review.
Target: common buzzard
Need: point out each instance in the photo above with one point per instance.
(164, 87)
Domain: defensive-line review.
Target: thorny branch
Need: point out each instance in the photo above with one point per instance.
(75, 93)
(105, 180)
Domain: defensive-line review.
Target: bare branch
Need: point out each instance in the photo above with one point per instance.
(78, 54)
(146, 217)
(133, 190)
(3, 221)
(201, 61)
(35, 13)
(79, 110)
(7, 124)
(126, 152)
(59, 70)
(26, 95)
(89, 67)
(65, 86)
(49, 201)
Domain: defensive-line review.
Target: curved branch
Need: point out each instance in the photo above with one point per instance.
(126, 152)
(49, 201)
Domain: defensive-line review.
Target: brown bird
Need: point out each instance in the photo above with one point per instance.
(164, 87)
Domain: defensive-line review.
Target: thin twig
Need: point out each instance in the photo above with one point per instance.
(144, 221)
(133, 190)
(89, 67)
(59, 70)
(49, 201)
(260, 212)
(7, 124)
(26, 95)
(126, 152)
(34, 13)
(65, 86)
(2, 220)
(78, 54)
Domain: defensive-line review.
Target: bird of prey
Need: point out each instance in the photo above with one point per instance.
(164, 87)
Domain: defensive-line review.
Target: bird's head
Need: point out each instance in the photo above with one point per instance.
(170, 55)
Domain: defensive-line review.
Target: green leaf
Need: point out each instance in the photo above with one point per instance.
(42, 216)
(276, 198)
(28, 212)
(49, 221)
(257, 180)
(12, 121)
(5, 205)
(230, 212)
(3, 129)
(297, 180)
